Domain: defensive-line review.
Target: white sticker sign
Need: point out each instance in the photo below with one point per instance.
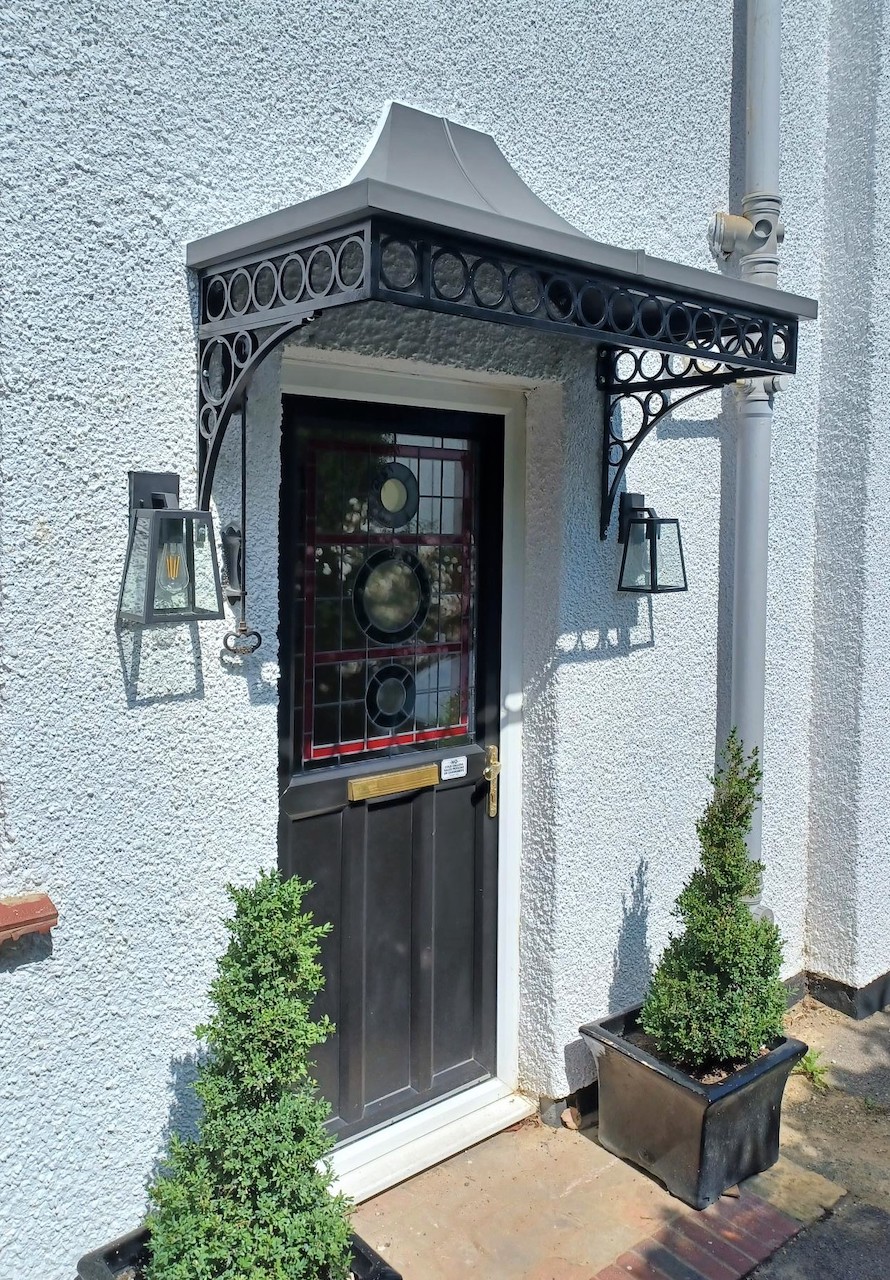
(454, 767)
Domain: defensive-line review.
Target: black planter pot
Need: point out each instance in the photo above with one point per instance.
(698, 1139)
(132, 1251)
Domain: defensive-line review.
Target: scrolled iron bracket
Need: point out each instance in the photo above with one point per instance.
(652, 384)
(226, 365)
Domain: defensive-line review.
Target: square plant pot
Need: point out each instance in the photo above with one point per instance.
(698, 1139)
(129, 1254)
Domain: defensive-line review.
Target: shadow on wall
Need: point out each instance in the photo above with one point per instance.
(185, 1108)
(261, 690)
(629, 628)
(31, 949)
(632, 957)
(160, 665)
(631, 970)
(721, 427)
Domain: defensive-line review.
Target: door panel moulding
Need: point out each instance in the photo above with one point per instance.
(371, 1162)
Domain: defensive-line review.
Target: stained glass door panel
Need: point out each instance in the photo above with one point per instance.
(388, 594)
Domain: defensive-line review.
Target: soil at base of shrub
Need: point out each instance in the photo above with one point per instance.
(714, 1074)
(136, 1273)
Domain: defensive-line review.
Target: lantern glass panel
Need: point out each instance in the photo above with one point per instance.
(131, 607)
(207, 599)
(670, 569)
(636, 563)
(174, 575)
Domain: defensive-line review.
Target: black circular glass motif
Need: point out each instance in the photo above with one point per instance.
(394, 496)
(390, 696)
(391, 596)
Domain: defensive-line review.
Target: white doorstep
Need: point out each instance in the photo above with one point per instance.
(390, 1155)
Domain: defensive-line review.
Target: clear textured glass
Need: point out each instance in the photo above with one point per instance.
(132, 602)
(392, 595)
(669, 552)
(205, 571)
(636, 565)
(172, 577)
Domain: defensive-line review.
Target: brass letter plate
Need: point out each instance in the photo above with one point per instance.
(390, 784)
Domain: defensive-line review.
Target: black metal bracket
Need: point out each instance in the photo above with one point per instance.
(153, 489)
(650, 385)
(250, 303)
(227, 363)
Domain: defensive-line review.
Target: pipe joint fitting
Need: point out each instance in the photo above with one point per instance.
(765, 388)
(755, 233)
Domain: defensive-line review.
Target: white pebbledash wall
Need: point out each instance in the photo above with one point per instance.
(139, 772)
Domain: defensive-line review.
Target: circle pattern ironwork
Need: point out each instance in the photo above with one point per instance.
(399, 266)
(451, 275)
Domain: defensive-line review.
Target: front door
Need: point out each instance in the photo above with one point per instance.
(391, 529)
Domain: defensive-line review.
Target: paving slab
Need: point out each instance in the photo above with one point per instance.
(536, 1203)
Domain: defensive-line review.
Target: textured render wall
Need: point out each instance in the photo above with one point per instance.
(849, 937)
(136, 783)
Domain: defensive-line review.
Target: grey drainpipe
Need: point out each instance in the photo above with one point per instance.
(754, 237)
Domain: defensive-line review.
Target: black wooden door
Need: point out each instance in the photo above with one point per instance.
(391, 530)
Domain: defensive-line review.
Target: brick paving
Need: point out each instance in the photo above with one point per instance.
(723, 1242)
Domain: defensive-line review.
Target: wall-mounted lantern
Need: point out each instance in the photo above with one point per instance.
(171, 572)
(653, 550)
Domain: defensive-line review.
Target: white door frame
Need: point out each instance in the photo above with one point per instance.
(371, 1163)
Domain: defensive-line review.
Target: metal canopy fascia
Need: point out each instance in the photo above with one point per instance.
(364, 200)
(437, 218)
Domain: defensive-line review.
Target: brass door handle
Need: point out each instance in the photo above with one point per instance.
(490, 774)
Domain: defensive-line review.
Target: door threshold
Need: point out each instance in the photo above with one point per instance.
(367, 1166)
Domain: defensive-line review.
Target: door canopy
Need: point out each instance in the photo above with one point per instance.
(436, 217)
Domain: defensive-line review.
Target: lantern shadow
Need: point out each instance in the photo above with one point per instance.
(157, 669)
(261, 691)
(622, 633)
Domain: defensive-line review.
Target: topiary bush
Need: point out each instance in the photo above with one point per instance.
(715, 998)
(245, 1200)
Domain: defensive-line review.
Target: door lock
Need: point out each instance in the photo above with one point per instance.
(490, 774)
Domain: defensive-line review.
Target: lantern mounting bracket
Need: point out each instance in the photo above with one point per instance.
(650, 385)
(155, 489)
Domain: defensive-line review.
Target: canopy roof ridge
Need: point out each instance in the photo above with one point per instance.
(444, 160)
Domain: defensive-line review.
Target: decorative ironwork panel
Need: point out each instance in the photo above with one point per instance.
(468, 277)
(388, 594)
(641, 388)
(250, 306)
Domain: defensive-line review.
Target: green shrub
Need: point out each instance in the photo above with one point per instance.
(245, 1201)
(715, 997)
